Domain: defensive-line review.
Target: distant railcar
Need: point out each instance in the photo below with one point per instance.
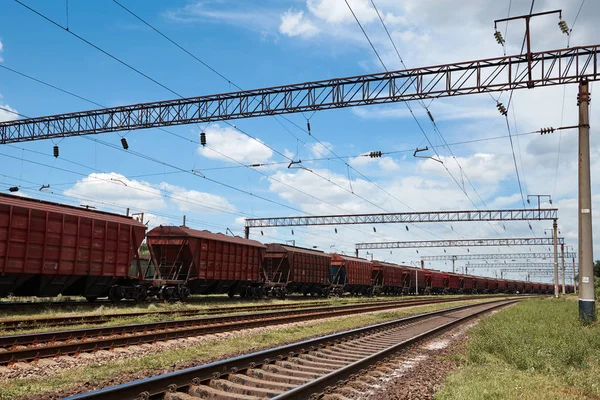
(350, 274)
(388, 278)
(290, 269)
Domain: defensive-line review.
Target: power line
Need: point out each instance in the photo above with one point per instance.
(314, 137)
(411, 111)
(177, 94)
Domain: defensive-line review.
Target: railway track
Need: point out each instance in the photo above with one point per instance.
(28, 323)
(28, 347)
(299, 370)
(11, 324)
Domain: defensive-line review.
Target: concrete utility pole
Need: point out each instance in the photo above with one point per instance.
(562, 254)
(587, 301)
(555, 234)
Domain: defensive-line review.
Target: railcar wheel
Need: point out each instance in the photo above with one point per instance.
(116, 294)
(91, 299)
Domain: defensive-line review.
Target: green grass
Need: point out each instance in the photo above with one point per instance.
(206, 351)
(536, 349)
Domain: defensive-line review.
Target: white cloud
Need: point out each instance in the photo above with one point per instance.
(485, 168)
(5, 115)
(320, 149)
(336, 12)
(100, 188)
(384, 164)
(188, 200)
(113, 187)
(294, 24)
(233, 144)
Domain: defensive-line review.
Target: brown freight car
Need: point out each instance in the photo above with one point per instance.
(48, 249)
(200, 262)
(290, 269)
(387, 278)
(416, 280)
(350, 274)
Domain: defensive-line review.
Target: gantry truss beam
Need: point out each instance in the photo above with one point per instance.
(407, 217)
(459, 243)
(498, 256)
(533, 271)
(524, 266)
(554, 67)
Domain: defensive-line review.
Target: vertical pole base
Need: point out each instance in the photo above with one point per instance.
(587, 311)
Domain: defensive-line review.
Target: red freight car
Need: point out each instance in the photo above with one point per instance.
(48, 248)
(350, 274)
(454, 283)
(295, 269)
(528, 287)
(387, 278)
(469, 284)
(435, 281)
(478, 284)
(200, 262)
(416, 280)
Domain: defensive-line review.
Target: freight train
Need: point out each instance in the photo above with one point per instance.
(48, 249)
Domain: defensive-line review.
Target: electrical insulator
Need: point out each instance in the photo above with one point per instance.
(375, 154)
(545, 131)
(308, 126)
(563, 27)
(499, 38)
(13, 189)
(501, 108)
(55, 151)
(335, 229)
(124, 143)
(406, 226)
(374, 230)
(203, 138)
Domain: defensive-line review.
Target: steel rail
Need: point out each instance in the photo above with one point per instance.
(41, 345)
(157, 386)
(11, 323)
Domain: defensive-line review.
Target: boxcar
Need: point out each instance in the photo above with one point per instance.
(388, 278)
(528, 287)
(48, 248)
(350, 274)
(203, 262)
(290, 269)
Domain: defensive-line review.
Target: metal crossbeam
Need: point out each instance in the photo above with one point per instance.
(547, 68)
(544, 266)
(459, 243)
(533, 271)
(498, 256)
(407, 217)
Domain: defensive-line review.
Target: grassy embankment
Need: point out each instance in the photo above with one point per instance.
(536, 349)
(214, 348)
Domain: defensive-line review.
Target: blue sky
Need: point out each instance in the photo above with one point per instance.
(269, 43)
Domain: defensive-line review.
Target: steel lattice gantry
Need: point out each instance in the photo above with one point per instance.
(498, 256)
(548, 266)
(459, 243)
(406, 217)
(553, 67)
